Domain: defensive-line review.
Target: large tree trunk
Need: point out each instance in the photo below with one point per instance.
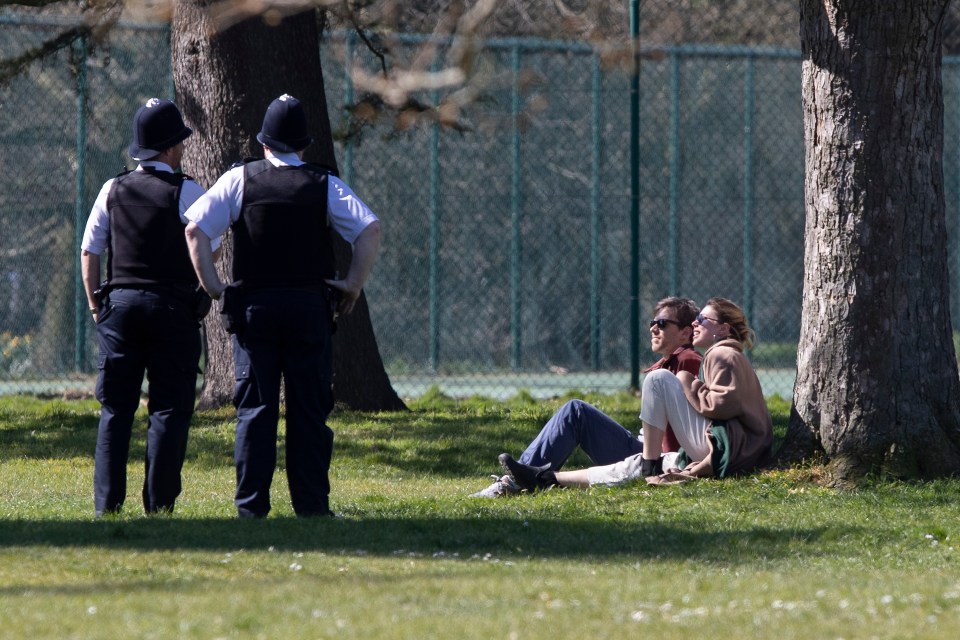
(877, 388)
(224, 82)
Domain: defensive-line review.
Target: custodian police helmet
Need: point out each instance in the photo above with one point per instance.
(157, 126)
(285, 126)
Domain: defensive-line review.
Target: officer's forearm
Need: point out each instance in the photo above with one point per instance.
(201, 255)
(365, 249)
(90, 272)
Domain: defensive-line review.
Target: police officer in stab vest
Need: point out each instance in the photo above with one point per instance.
(147, 310)
(278, 307)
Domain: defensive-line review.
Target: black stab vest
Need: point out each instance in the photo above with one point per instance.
(147, 245)
(281, 238)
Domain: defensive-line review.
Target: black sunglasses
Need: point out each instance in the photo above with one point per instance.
(661, 323)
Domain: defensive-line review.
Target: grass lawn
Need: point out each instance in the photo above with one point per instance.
(769, 556)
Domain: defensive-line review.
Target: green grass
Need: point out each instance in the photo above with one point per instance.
(769, 556)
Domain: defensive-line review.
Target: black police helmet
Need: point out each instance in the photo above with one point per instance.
(285, 126)
(157, 126)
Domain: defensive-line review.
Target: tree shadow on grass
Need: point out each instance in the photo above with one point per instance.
(48, 435)
(450, 446)
(435, 537)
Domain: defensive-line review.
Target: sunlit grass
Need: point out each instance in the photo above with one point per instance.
(771, 555)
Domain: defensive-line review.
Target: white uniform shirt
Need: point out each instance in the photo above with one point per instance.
(220, 206)
(96, 235)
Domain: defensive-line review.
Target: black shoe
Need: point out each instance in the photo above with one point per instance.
(529, 478)
(108, 512)
(154, 511)
(318, 514)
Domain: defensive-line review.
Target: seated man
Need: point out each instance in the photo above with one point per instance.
(578, 423)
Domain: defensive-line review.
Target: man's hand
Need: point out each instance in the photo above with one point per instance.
(365, 249)
(350, 295)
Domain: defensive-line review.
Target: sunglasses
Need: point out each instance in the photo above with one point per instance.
(701, 318)
(661, 323)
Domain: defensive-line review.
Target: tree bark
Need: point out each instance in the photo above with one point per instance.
(224, 82)
(57, 324)
(877, 388)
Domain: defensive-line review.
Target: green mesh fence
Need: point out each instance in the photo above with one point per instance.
(507, 247)
(66, 124)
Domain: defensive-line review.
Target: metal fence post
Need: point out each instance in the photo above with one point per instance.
(515, 240)
(635, 195)
(674, 206)
(81, 312)
(595, 257)
(434, 278)
(748, 101)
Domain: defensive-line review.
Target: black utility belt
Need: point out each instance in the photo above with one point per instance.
(233, 302)
(192, 296)
(183, 292)
(157, 288)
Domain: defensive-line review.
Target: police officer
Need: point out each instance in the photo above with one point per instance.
(145, 311)
(278, 306)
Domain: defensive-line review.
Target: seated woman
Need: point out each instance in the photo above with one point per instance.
(720, 419)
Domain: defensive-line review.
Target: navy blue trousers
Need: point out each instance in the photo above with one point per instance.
(578, 423)
(285, 334)
(154, 333)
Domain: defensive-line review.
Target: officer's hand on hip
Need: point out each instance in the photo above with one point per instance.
(350, 294)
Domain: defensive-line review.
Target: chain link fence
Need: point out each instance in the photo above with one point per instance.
(508, 250)
(66, 124)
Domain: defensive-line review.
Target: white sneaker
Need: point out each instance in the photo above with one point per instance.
(502, 486)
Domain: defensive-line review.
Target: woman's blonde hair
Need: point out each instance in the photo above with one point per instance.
(730, 313)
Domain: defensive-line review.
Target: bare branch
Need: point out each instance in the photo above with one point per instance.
(563, 9)
(396, 89)
(29, 3)
(446, 25)
(15, 66)
(226, 13)
(392, 91)
(374, 47)
(93, 21)
(467, 44)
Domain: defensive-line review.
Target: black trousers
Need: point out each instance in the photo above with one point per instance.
(285, 333)
(156, 333)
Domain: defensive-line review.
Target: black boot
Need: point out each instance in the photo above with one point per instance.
(528, 477)
(651, 467)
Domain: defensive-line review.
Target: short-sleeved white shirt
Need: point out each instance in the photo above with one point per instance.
(96, 235)
(221, 205)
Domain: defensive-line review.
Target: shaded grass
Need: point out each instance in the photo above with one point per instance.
(770, 555)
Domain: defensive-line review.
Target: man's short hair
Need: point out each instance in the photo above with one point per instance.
(685, 308)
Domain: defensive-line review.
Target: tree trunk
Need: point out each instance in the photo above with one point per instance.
(224, 82)
(877, 389)
(57, 324)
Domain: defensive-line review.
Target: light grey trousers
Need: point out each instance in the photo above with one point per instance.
(662, 402)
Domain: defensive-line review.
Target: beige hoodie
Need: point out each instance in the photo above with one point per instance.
(730, 392)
